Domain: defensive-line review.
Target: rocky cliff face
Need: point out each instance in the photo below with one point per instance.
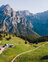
(39, 22)
(14, 21)
(23, 22)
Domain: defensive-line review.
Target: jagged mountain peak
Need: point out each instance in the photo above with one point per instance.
(26, 13)
(5, 7)
(23, 19)
(14, 21)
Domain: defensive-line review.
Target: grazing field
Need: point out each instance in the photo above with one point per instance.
(19, 47)
(34, 56)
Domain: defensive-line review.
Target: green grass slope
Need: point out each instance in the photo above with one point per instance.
(19, 46)
(34, 56)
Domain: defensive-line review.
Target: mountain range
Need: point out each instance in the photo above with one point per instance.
(23, 22)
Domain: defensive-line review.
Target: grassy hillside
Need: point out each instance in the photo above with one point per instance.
(34, 56)
(34, 39)
(19, 46)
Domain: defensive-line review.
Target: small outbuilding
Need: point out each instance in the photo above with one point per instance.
(11, 45)
(6, 45)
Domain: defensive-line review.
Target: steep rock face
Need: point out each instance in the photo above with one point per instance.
(41, 26)
(39, 22)
(14, 21)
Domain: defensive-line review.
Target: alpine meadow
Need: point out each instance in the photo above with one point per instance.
(23, 31)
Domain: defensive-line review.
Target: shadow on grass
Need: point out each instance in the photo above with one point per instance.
(45, 57)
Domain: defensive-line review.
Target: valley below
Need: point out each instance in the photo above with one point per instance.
(23, 35)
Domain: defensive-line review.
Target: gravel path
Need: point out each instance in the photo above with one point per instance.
(27, 52)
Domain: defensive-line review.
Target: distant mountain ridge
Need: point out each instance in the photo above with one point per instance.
(23, 22)
(14, 21)
(39, 22)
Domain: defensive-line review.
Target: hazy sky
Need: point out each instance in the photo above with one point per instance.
(33, 6)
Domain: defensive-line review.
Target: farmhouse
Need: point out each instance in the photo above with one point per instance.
(11, 45)
(6, 45)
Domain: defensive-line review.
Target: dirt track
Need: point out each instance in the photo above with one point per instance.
(27, 52)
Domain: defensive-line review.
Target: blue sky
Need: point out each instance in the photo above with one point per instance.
(33, 6)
